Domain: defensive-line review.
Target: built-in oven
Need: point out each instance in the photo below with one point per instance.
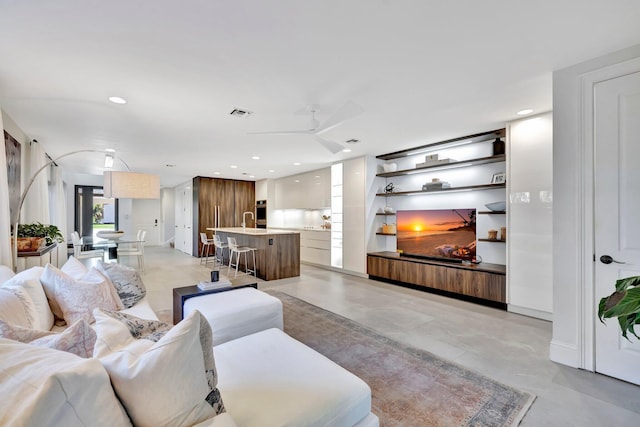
(261, 214)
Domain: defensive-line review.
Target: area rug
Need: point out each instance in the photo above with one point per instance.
(410, 387)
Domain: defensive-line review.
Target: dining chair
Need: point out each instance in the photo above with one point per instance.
(78, 253)
(135, 249)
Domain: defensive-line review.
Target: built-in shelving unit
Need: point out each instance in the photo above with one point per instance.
(444, 190)
(483, 282)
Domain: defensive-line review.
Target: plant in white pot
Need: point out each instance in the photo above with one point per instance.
(33, 236)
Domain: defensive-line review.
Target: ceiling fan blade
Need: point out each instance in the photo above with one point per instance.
(334, 147)
(346, 112)
(281, 132)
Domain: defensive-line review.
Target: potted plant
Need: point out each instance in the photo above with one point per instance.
(624, 304)
(32, 237)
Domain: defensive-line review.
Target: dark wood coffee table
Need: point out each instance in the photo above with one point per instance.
(180, 295)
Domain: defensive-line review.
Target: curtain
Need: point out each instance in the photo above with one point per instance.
(36, 205)
(58, 209)
(5, 221)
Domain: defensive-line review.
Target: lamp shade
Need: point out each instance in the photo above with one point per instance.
(131, 185)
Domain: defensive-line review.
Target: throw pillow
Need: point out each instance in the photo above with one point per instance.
(29, 280)
(78, 338)
(74, 268)
(127, 282)
(78, 298)
(45, 387)
(16, 306)
(174, 363)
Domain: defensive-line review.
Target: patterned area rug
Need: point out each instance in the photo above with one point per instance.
(410, 387)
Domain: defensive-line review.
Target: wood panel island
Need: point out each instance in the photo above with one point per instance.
(277, 251)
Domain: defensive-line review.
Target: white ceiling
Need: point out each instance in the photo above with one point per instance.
(422, 70)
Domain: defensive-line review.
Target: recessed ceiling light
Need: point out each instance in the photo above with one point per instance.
(216, 173)
(317, 176)
(297, 180)
(296, 164)
(233, 167)
(252, 176)
(271, 171)
(346, 150)
(117, 100)
(256, 157)
(109, 150)
(524, 112)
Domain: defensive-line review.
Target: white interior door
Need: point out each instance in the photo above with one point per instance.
(146, 214)
(617, 203)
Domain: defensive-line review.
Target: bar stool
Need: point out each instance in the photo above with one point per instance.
(206, 245)
(219, 249)
(234, 248)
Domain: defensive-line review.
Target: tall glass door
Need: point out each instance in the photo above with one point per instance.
(94, 212)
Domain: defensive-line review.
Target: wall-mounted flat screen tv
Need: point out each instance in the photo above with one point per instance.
(441, 234)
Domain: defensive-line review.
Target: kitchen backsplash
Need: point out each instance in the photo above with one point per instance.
(297, 218)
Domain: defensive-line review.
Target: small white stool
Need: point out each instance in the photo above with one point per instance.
(237, 312)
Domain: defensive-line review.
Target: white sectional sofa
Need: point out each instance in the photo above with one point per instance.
(264, 379)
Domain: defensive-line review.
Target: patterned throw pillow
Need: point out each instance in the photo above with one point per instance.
(16, 306)
(127, 282)
(78, 298)
(134, 351)
(78, 338)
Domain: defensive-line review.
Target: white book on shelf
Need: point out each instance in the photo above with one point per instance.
(206, 286)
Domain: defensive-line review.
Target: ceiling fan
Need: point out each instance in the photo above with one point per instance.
(346, 112)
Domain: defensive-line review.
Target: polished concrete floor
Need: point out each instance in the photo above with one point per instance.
(507, 347)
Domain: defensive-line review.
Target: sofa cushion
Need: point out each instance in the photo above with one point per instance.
(126, 280)
(73, 268)
(79, 338)
(16, 306)
(30, 281)
(270, 379)
(142, 310)
(5, 273)
(78, 298)
(46, 387)
(168, 382)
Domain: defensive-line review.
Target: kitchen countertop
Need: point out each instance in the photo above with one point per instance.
(253, 231)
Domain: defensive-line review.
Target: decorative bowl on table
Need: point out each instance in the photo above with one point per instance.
(110, 234)
(497, 206)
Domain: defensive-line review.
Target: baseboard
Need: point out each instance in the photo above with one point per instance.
(530, 312)
(566, 354)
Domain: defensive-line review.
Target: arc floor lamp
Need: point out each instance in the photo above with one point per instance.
(117, 185)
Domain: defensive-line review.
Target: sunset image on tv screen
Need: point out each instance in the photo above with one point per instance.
(442, 233)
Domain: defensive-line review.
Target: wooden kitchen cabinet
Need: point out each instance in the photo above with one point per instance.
(225, 198)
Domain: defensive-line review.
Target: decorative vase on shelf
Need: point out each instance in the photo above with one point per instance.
(498, 147)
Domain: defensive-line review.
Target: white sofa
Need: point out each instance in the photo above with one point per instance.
(265, 379)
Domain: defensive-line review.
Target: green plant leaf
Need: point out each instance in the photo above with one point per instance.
(627, 282)
(627, 324)
(628, 304)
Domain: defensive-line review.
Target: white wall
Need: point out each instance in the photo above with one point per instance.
(572, 263)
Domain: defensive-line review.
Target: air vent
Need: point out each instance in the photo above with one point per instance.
(240, 113)
(352, 141)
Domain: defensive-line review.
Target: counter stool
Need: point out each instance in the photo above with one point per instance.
(219, 249)
(206, 245)
(234, 248)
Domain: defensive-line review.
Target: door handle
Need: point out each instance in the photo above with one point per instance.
(606, 259)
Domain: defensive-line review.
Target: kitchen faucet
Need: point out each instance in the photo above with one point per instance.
(244, 216)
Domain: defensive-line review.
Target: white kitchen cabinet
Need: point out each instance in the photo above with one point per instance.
(315, 247)
(309, 190)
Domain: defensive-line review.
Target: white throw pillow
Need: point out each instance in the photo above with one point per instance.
(30, 281)
(74, 268)
(77, 298)
(127, 282)
(161, 383)
(45, 387)
(16, 306)
(78, 339)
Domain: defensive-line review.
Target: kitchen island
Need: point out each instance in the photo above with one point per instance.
(277, 250)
